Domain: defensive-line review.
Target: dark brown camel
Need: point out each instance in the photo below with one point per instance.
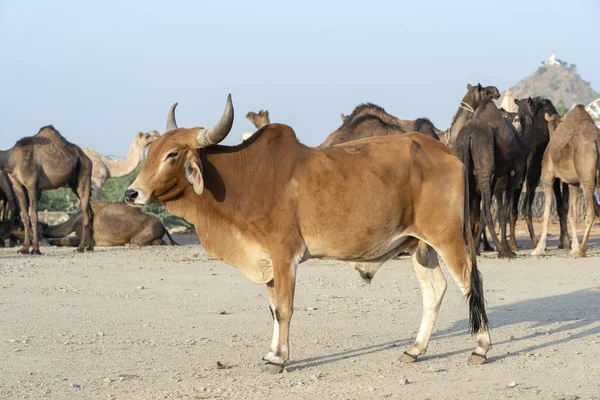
(540, 137)
(572, 156)
(471, 100)
(48, 161)
(540, 140)
(490, 148)
(8, 202)
(368, 120)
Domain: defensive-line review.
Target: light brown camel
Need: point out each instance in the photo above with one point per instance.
(258, 120)
(104, 168)
(115, 224)
(572, 156)
(48, 161)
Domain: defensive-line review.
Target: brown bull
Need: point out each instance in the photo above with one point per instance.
(270, 203)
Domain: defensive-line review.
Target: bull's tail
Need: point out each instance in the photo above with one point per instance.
(173, 243)
(477, 315)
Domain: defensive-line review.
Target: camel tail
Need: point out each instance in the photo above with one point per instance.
(173, 243)
(477, 315)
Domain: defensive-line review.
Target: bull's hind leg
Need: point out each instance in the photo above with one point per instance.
(469, 281)
(433, 287)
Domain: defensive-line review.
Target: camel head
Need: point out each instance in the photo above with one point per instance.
(144, 140)
(259, 120)
(491, 92)
(476, 93)
(526, 107)
(553, 121)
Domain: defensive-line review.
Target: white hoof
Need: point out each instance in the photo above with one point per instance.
(538, 252)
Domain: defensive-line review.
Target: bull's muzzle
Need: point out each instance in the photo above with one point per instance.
(131, 195)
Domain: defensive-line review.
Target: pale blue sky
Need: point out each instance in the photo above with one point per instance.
(102, 72)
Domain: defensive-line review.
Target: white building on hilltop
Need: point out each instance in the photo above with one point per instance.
(552, 60)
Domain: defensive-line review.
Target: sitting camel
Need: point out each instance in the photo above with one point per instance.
(572, 156)
(115, 224)
(368, 120)
(104, 168)
(48, 161)
(258, 120)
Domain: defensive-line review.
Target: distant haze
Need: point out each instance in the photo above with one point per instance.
(102, 71)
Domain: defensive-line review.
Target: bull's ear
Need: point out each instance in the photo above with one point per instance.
(192, 171)
(547, 117)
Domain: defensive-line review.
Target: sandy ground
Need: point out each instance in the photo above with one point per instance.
(152, 323)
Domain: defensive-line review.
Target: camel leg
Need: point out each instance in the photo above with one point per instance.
(433, 287)
(97, 191)
(514, 215)
(561, 193)
(284, 284)
(541, 246)
(487, 197)
(33, 217)
(503, 207)
(68, 241)
(82, 189)
(572, 217)
(588, 197)
(475, 202)
(21, 195)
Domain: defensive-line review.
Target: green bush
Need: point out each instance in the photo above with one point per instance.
(63, 199)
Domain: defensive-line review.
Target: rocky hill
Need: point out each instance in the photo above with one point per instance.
(558, 81)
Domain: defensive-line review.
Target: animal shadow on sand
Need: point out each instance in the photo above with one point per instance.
(577, 311)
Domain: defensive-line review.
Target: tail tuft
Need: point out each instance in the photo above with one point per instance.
(477, 315)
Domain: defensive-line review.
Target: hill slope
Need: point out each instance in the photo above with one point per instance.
(559, 82)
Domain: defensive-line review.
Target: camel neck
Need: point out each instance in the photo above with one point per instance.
(6, 163)
(526, 129)
(126, 166)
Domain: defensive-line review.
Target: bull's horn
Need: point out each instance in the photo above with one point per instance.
(218, 132)
(171, 123)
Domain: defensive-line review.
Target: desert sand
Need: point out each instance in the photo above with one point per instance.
(172, 323)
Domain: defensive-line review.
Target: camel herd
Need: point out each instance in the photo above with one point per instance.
(48, 161)
(504, 153)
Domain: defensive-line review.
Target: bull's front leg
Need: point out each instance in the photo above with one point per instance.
(281, 300)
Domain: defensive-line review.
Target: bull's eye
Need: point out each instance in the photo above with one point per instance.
(172, 154)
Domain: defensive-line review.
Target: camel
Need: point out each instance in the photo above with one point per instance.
(104, 168)
(258, 120)
(467, 108)
(48, 161)
(7, 198)
(115, 224)
(368, 120)
(540, 139)
(490, 148)
(572, 156)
